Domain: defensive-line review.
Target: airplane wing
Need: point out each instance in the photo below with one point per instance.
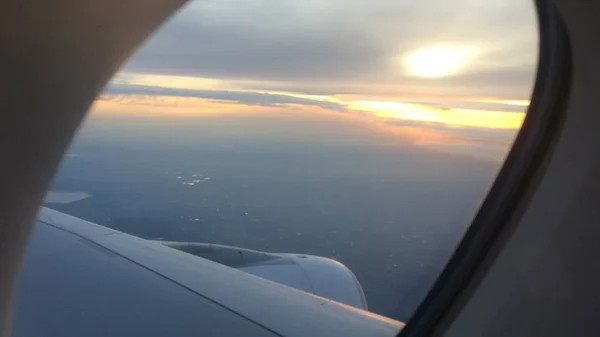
(83, 279)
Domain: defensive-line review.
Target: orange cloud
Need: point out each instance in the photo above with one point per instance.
(168, 106)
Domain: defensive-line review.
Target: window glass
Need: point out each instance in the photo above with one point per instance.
(366, 131)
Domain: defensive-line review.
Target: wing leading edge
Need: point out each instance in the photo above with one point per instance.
(81, 278)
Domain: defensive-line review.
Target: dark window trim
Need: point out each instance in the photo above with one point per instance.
(528, 157)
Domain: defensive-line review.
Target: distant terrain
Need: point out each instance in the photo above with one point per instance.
(392, 214)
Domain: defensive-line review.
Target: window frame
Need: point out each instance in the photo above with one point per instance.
(525, 163)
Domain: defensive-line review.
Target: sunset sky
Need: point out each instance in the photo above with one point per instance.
(458, 68)
(366, 131)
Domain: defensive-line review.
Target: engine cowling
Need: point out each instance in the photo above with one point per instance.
(312, 274)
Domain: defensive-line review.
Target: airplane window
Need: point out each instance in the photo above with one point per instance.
(363, 131)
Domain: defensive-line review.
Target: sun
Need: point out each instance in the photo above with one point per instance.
(436, 61)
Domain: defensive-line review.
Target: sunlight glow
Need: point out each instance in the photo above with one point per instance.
(449, 117)
(522, 103)
(437, 61)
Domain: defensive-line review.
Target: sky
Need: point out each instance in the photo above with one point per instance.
(462, 71)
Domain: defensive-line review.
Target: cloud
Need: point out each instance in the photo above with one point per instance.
(345, 46)
(463, 134)
(240, 97)
(472, 105)
(473, 133)
(492, 144)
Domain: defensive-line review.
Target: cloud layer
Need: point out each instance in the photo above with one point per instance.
(239, 97)
(346, 46)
